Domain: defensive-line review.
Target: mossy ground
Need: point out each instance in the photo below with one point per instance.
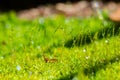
(82, 48)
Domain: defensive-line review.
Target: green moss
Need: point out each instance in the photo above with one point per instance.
(80, 46)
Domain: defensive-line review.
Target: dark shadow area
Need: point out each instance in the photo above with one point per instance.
(93, 69)
(6, 5)
(90, 37)
(17, 5)
(68, 77)
(99, 65)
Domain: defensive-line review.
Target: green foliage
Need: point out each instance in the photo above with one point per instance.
(82, 48)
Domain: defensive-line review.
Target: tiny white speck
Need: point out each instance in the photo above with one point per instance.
(1, 57)
(32, 42)
(75, 78)
(51, 77)
(100, 16)
(106, 41)
(30, 73)
(117, 59)
(18, 67)
(66, 21)
(41, 20)
(38, 47)
(87, 57)
(84, 50)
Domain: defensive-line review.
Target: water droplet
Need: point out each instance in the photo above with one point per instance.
(51, 77)
(84, 50)
(100, 17)
(66, 21)
(87, 57)
(30, 73)
(75, 78)
(117, 59)
(1, 57)
(41, 20)
(32, 42)
(106, 41)
(38, 47)
(18, 67)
